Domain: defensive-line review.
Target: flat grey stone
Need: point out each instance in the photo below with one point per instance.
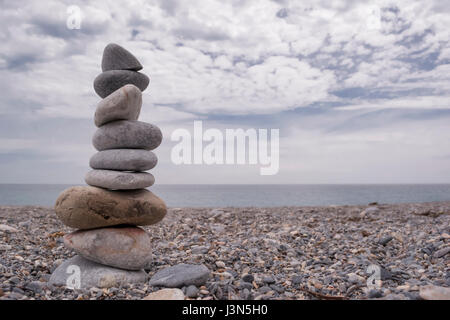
(124, 160)
(442, 252)
(123, 104)
(192, 291)
(92, 274)
(109, 81)
(120, 247)
(119, 180)
(181, 275)
(116, 57)
(127, 134)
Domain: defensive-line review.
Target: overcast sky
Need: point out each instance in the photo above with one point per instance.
(360, 93)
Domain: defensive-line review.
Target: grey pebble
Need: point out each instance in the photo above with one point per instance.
(268, 280)
(264, 289)
(245, 285)
(116, 57)
(109, 81)
(385, 240)
(127, 134)
(374, 293)
(192, 291)
(35, 286)
(248, 278)
(181, 275)
(124, 160)
(119, 180)
(297, 279)
(442, 252)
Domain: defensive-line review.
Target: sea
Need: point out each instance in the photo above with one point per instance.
(250, 195)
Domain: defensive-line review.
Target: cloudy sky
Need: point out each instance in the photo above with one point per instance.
(359, 90)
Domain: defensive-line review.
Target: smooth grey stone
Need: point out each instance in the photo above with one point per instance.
(248, 278)
(120, 247)
(109, 81)
(124, 160)
(35, 286)
(385, 240)
(123, 104)
(93, 274)
(119, 180)
(442, 252)
(192, 291)
(181, 275)
(127, 134)
(116, 57)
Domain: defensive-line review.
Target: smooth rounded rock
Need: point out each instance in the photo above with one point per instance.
(116, 57)
(121, 247)
(124, 159)
(119, 180)
(126, 134)
(80, 273)
(166, 294)
(109, 81)
(181, 275)
(86, 207)
(432, 292)
(123, 104)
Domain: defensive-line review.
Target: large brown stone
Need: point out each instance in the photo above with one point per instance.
(121, 247)
(87, 207)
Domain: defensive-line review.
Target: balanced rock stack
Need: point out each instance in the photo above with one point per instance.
(112, 250)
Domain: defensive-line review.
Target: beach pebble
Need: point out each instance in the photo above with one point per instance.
(124, 160)
(192, 291)
(35, 286)
(93, 274)
(385, 240)
(355, 279)
(442, 252)
(4, 227)
(116, 57)
(166, 294)
(121, 247)
(374, 294)
(248, 278)
(109, 81)
(431, 292)
(268, 279)
(119, 180)
(86, 207)
(181, 275)
(126, 134)
(123, 104)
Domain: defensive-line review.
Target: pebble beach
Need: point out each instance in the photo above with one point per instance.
(253, 253)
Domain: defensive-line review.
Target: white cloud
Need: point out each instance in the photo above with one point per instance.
(246, 58)
(423, 102)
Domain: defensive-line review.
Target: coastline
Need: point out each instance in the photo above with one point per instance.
(291, 252)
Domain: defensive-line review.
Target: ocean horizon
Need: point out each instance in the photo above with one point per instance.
(248, 195)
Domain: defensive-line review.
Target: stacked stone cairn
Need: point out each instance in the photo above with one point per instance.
(111, 249)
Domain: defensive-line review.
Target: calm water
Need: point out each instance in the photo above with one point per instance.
(249, 195)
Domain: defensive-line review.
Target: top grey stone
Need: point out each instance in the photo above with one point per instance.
(181, 275)
(116, 57)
